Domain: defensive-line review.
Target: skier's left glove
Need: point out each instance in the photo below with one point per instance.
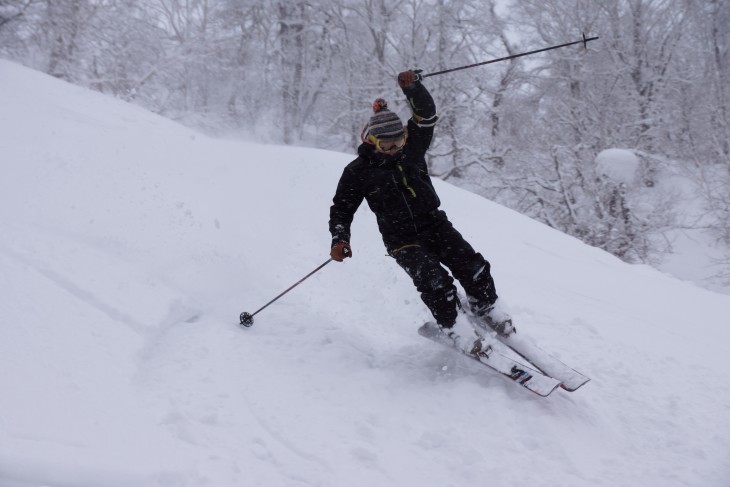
(340, 251)
(406, 79)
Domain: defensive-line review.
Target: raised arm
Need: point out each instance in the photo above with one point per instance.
(423, 110)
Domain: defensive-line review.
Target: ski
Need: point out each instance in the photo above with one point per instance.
(570, 379)
(531, 379)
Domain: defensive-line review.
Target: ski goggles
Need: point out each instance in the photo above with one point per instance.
(388, 146)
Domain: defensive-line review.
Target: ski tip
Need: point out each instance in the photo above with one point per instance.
(549, 392)
(573, 388)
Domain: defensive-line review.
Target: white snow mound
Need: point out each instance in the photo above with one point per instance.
(618, 165)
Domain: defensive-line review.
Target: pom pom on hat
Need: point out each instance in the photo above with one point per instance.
(383, 125)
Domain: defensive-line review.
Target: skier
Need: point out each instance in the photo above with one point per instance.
(390, 172)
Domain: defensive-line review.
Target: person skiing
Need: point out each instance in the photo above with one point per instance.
(390, 172)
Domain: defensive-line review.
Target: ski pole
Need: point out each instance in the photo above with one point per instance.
(583, 41)
(247, 318)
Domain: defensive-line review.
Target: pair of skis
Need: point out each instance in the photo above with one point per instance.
(545, 373)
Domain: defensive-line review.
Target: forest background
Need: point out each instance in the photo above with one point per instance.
(536, 134)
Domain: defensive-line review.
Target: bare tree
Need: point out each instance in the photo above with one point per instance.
(12, 10)
(525, 133)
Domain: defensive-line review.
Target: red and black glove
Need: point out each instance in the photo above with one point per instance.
(407, 79)
(340, 251)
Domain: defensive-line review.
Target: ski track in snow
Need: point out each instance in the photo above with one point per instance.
(130, 245)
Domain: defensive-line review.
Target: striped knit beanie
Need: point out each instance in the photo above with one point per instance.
(384, 125)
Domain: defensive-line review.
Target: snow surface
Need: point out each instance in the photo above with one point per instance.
(130, 244)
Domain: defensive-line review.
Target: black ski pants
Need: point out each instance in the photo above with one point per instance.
(441, 244)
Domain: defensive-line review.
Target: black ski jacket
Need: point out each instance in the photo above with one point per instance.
(398, 188)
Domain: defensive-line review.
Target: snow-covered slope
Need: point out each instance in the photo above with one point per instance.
(129, 245)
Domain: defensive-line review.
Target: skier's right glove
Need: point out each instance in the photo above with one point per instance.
(340, 251)
(406, 79)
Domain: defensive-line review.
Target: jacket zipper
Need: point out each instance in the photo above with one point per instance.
(405, 182)
(405, 201)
